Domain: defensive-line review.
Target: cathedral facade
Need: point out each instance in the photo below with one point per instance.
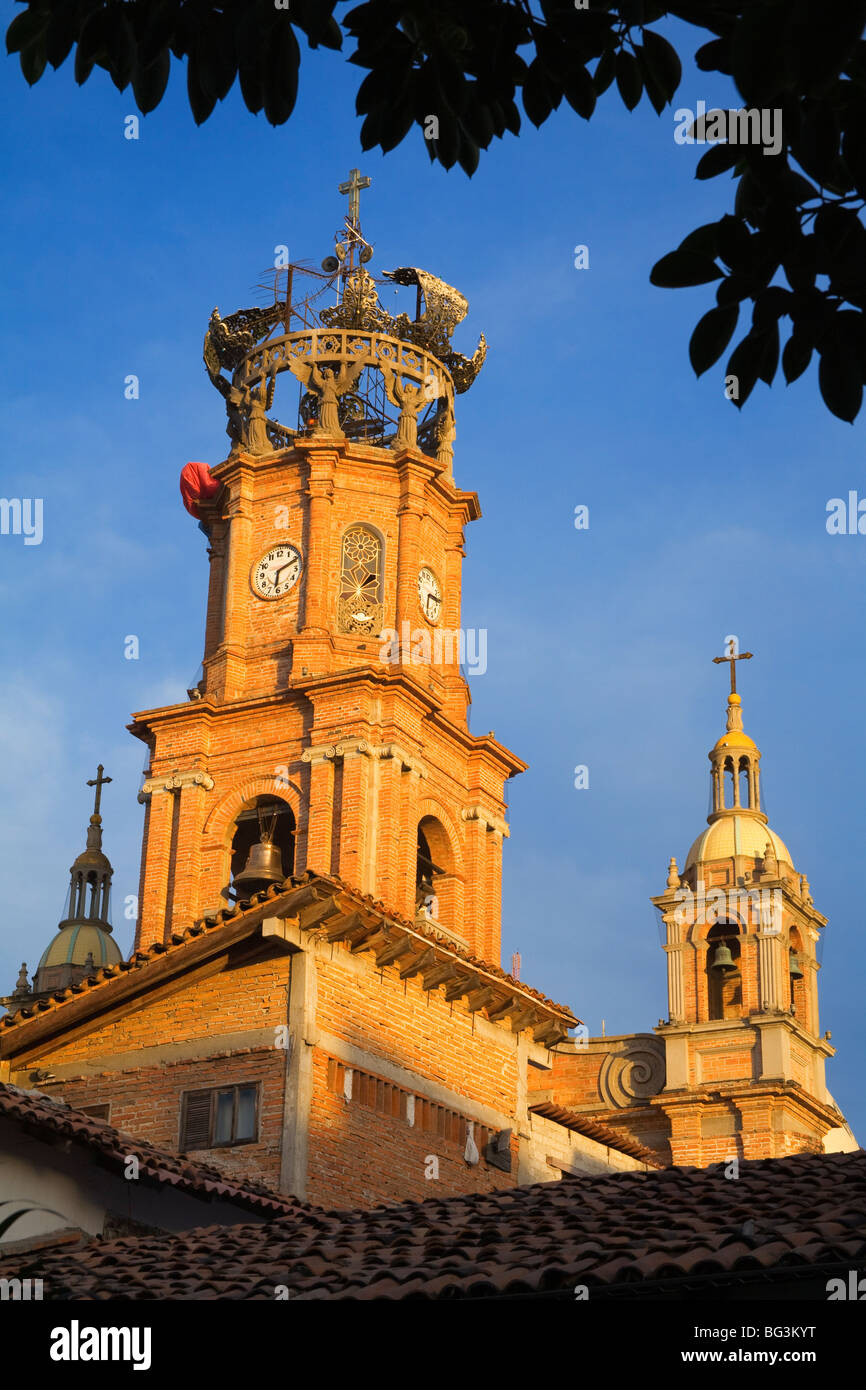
(314, 1000)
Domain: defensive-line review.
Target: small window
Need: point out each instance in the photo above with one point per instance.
(96, 1112)
(219, 1117)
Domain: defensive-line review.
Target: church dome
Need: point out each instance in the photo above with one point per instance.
(72, 945)
(733, 835)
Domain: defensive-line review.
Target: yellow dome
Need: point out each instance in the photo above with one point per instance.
(72, 945)
(735, 739)
(736, 835)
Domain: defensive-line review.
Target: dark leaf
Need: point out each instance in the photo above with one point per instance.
(663, 62)
(33, 59)
(656, 95)
(714, 56)
(703, 239)
(371, 130)
(745, 364)
(733, 290)
(735, 243)
(280, 68)
(711, 336)
(537, 101)
(628, 78)
(579, 91)
(25, 29)
(716, 160)
(680, 268)
(148, 84)
(839, 380)
(796, 356)
(469, 155)
(770, 355)
(605, 71)
(60, 35)
(396, 124)
(201, 102)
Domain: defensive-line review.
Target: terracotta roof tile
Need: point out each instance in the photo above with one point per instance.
(618, 1231)
(142, 959)
(53, 1121)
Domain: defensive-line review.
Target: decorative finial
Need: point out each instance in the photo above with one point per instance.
(805, 890)
(771, 863)
(673, 874)
(22, 986)
(98, 782)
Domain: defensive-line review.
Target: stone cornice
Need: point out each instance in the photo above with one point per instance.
(175, 781)
(488, 819)
(361, 747)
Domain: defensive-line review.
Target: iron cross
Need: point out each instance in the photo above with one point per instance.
(98, 782)
(742, 656)
(353, 185)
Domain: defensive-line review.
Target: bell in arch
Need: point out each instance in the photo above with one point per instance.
(722, 958)
(795, 969)
(264, 864)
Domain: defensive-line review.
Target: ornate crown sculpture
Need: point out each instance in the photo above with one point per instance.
(363, 374)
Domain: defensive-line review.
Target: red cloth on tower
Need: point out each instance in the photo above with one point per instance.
(197, 484)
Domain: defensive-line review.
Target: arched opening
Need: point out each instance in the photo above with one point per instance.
(724, 981)
(265, 818)
(745, 781)
(797, 976)
(435, 879)
(728, 785)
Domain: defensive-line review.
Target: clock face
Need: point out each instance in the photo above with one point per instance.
(430, 595)
(276, 572)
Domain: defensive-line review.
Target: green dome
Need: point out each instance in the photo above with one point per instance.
(72, 945)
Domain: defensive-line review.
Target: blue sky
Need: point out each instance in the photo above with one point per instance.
(703, 521)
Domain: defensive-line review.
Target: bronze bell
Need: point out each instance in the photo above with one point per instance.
(795, 969)
(264, 866)
(722, 958)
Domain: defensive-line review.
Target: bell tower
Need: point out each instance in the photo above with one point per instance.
(329, 730)
(744, 1054)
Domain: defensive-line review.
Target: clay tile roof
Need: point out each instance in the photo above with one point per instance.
(254, 910)
(54, 1121)
(618, 1234)
(595, 1129)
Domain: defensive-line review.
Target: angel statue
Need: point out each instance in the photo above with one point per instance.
(409, 398)
(329, 386)
(247, 409)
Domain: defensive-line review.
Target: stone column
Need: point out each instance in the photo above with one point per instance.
(237, 590)
(770, 994)
(319, 559)
(409, 513)
(314, 846)
(674, 951)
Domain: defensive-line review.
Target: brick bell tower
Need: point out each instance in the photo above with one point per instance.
(744, 1054)
(329, 730)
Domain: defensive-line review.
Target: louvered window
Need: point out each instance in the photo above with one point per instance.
(219, 1117)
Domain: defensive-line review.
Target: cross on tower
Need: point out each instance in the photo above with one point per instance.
(732, 658)
(98, 782)
(353, 185)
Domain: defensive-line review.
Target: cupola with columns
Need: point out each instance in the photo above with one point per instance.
(84, 940)
(744, 1054)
